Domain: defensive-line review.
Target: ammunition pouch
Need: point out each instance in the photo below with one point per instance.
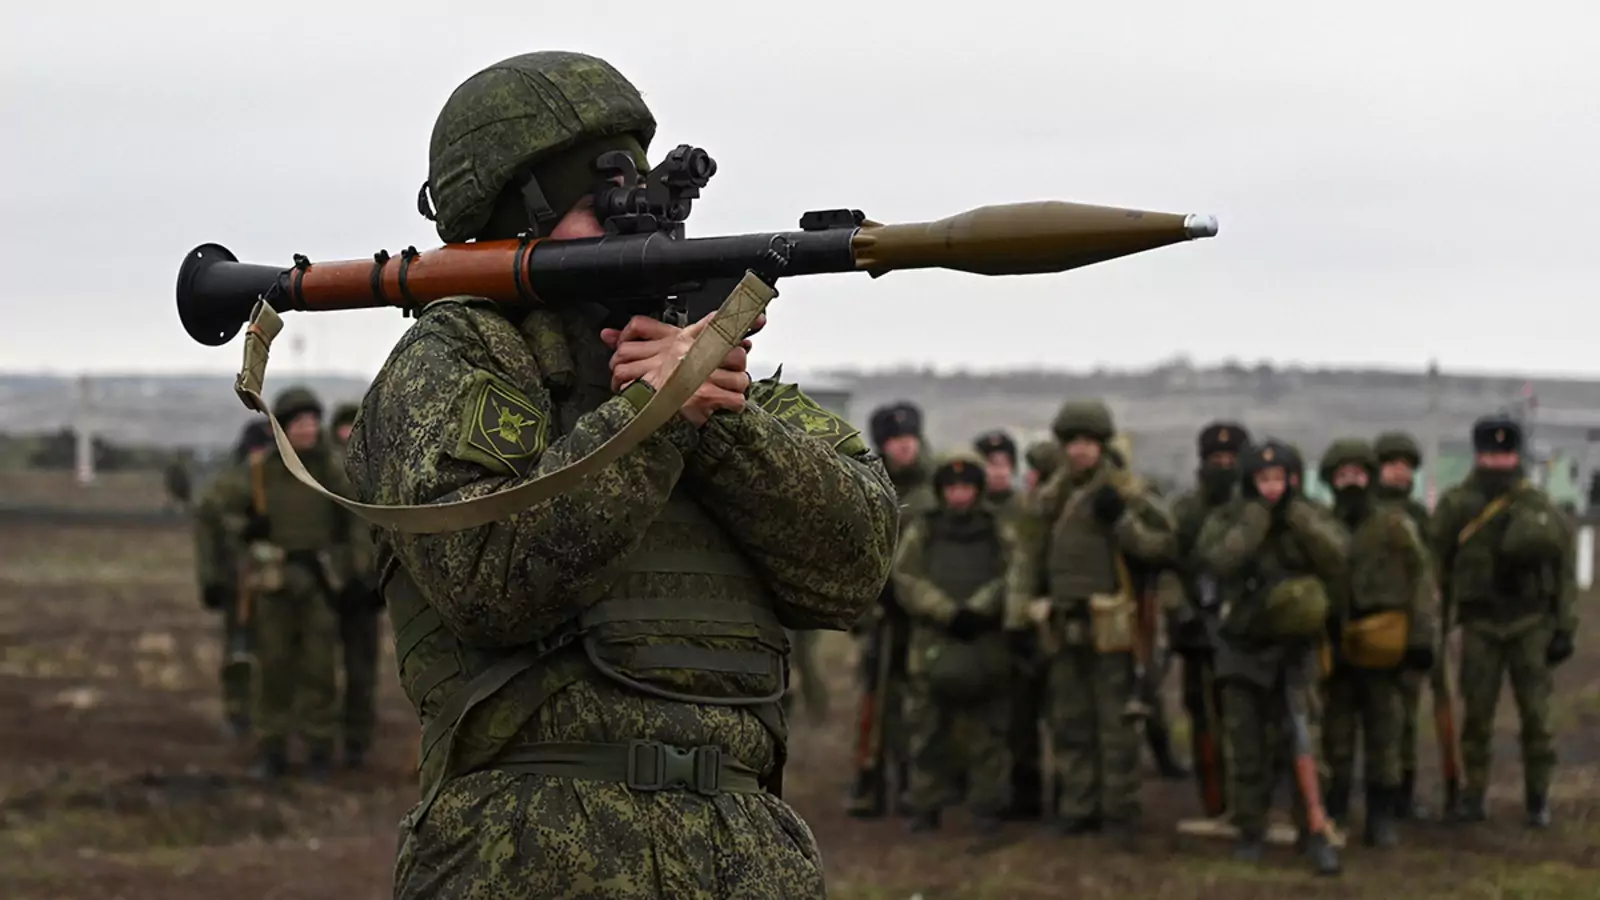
(1112, 623)
(1377, 641)
(262, 568)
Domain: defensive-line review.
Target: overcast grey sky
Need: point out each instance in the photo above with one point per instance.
(1394, 180)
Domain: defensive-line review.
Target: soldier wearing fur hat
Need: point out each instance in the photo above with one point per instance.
(1399, 458)
(1506, 560)
(1220, 444)
(1383, 627)
(896, 432)
(1271, 554)
(950, 576)
(1093, 522)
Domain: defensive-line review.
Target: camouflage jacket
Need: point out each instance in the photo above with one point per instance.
(1247, 551)
(1505, 561)
(1390, 568)
(753, 504)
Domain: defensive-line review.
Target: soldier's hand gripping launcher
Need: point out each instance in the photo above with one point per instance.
(645, 264)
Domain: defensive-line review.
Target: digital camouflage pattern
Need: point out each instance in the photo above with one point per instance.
(1390, 569)
(807, 508)
(1068, 554)
(358, 608)
(1507, 562)
(1249, 548)
(295, 629)
(1411, 685)
(516, 112)
(950, 561)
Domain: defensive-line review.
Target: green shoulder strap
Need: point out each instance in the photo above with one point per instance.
(726, 329)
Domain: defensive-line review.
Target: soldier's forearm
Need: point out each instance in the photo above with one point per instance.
(515, 580)
(1227, 544)
(820, 523)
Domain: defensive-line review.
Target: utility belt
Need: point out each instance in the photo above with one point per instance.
(1106, 622)
(265, 562)
(638, 765)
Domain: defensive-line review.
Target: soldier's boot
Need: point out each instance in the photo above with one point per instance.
(1380, 828)
(1124, 835)
(987, 824)
(1324, 856)
(319, 765)
(355, 754)
(869, 796)
(1336, 799)
(1160, 741)
(1538, 811)
(1250, 848)
(1472, 808)
(237, 726)
(925, 821)
(1452, 801)
(271, 763)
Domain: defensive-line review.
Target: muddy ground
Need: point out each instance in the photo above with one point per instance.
(117, 782)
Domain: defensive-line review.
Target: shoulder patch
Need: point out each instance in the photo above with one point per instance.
(500, 428)
(790, 405)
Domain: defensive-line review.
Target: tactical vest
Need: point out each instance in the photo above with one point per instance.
(299, 518)
(689, 620)
(963, 553)
(1079, 559)
(1486, 583)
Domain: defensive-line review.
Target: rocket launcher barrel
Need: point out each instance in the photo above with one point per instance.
(646, 273)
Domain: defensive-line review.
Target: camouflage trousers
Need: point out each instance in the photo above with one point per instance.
(1370, 703)
(813, 691)
(1024, 747)
(1489, 654)
(958, 749)
(1258, 753)
(358, 636)
(1096, 749)
(236, 673)
(296, 639)
(530, 837)
(1203, 703)
(1411, 687)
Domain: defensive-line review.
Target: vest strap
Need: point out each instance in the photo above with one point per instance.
(641, 765)
(690, 562)
(704, 659)
(615, 610)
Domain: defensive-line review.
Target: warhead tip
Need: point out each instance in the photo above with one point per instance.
(1197, 225)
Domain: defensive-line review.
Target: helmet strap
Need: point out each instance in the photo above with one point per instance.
(540, 215)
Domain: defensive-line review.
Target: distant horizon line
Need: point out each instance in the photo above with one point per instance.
(969, 371)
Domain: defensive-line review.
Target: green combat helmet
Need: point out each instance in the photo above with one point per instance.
(1043, 457)
(1397, 445)
(294, 401)
(535, 123)
(1345, 452)
(344, 414)
(1083, 419)
(956, 468)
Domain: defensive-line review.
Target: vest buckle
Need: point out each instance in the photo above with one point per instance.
(654, 766)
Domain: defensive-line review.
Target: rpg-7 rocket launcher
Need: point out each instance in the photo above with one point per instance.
(645, 265)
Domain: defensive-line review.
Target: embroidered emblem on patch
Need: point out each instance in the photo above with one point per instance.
(789, 404)
(505, 425)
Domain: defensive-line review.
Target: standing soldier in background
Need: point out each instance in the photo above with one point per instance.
(1273, 552)
(1216, 485)
(1164, 583)
(896, 432)
(1382, 630)
(949, 575)
(1043, 458)
(297, 547)
(1029, 668)
(358, 606)
(1507, 560)
(999, 453)
(1092, 522)
(218, 529)
(1399, 458)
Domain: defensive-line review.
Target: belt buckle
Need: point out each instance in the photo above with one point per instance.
(647, 768)
(707, 770)
(654, 766)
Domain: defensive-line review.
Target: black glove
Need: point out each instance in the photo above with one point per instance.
(1023, 644)
(1108, 504)
(1560, 649)
(256, 528)
(358, 596)
(214, 596)
(968, 624)
(1419, 659)
(1280, 510)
